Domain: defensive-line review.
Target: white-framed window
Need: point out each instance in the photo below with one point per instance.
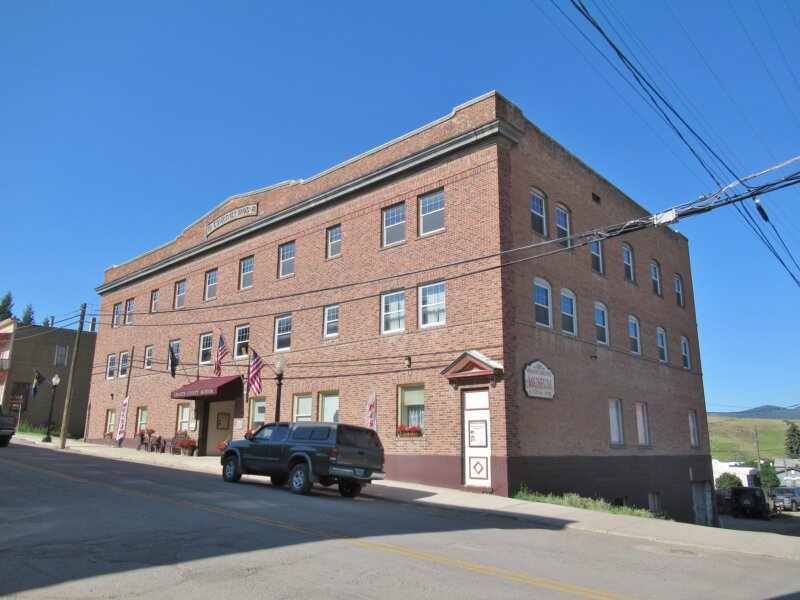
(211, 284)
(130, 307)
(563, 226)
(615, 422)
(182, 419)
(634, 335)
(686, 358)
(394, 224)
(141, 418)
(116, 320)
(246, 266)
(60, 359)
(123, 364)
(655, 277)
(148, 357)
(431, 212)
(601, 323)
(334, 237)
(302, 407)
(206, 340)
(596, 249)
(679, 291)
(642, 424)
(411, 405)
(180, 293)
(329, 407)
(154, 301)
(258, 412)
(241, 345)
(538, 212)
(661, 342)
(176, 350)
(627, 262)
(111, 420)
(286, 255)
(283, 333)
(569, 314)
(111, 366)
(393, 312)
(432, 305)
(331, 321)
(694, 433)
(542, 301)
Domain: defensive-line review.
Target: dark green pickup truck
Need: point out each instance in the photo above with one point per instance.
(8, 427)
(305, 453)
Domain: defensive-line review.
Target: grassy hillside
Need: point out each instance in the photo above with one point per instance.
(732, 438)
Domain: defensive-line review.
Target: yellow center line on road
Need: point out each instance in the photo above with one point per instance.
(550, 584)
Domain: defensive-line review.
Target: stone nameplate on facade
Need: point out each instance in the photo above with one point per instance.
(539, 380)
(251, 210)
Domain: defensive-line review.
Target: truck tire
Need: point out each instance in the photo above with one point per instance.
(230, 470)
(4, 441)
(299, 482)
(349, 489)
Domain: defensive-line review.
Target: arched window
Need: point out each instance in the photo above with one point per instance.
(569, 314)
(542, 298)
(627, 262)
(538, 212)
(634, 335)
(679, 291)
(685, 356)
(661, 342)
(563, 225)
(601, 323)
(655, 276)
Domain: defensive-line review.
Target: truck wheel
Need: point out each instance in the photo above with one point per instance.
(298, 480)
(349, 489)
(4, 441)
(279, 480)
(230, 470)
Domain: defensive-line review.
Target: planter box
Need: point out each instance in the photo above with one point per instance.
(409, 434)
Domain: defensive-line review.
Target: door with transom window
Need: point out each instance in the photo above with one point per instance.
(477, 439)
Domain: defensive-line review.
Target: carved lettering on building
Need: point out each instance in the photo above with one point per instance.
(251, 210)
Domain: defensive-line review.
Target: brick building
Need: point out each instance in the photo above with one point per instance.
(26, 348)
(402, 274)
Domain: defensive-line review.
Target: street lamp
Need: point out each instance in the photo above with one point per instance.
(55, 381)
(280, 367)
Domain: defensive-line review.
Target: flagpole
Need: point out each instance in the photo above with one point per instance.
(246, 381)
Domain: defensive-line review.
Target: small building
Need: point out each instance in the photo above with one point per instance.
(443, 286)
(25, 349)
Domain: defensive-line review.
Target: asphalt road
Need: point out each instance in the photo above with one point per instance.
(77, 526)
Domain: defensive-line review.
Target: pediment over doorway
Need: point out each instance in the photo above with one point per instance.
(473, 367)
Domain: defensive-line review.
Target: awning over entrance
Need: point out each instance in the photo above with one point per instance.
(212, 386)
(473, 367)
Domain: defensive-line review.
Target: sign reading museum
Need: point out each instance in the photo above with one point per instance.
(539, 380)
(251, 210)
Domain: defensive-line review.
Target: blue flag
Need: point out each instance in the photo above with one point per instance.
(37, 381)
(173, 360)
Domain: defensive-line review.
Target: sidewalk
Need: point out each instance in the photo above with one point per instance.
(550, 515)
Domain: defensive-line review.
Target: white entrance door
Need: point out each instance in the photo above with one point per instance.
(477, 439)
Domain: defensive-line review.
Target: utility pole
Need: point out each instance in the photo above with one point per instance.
(71, 378)
(758, 450)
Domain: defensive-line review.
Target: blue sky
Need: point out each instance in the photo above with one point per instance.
(123, 122)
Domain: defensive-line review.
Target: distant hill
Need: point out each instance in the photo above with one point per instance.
(767, 411)
(733, 439)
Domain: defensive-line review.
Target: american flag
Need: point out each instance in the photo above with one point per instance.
(222, 351)
(254, 376)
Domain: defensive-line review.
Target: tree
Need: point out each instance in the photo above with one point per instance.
(27, 315)
(727, 481)
(792, 440)
(769, 478)
(6, 306)
(46, 322)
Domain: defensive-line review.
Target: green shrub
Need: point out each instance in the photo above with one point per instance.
(727, 481)
(25, 427)
(576, 501)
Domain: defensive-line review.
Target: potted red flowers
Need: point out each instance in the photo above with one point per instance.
(409, 431)
(187, 446)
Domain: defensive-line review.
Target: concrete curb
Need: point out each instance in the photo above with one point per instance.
(762, 544)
